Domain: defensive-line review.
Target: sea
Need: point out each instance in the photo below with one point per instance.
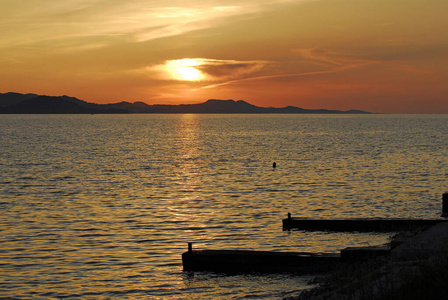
(103, 206)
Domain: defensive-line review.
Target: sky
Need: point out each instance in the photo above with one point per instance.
(384, 56)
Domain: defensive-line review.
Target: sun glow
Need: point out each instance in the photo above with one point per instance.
(184, 69)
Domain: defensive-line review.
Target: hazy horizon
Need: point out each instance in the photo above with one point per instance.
(190, 103)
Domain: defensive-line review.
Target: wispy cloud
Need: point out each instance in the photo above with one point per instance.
(211, 73)
(207, 70)
(28, 21)
(331, 59)
(226, 69)
(325, 62)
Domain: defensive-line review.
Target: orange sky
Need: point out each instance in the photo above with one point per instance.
(374, 55)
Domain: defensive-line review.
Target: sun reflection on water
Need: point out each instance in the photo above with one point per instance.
(188, 208)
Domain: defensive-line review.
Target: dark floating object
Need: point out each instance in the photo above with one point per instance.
(274, 165)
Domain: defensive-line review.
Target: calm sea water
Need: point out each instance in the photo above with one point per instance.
(102, 206)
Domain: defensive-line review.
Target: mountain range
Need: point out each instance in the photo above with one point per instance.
(15, 103)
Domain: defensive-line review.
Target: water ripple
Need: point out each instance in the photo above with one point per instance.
(100, 208)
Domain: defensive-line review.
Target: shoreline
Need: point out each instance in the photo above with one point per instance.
(417, 267)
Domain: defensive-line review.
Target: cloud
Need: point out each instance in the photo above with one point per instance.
(227, 69)
(208, 70)
(29, 21)
(312, 62)
(331, 59)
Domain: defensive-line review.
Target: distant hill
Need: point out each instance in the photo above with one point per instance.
(14, 98)
(35, 104)
(15, 103)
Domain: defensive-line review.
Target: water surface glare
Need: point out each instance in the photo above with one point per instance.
(102, 206)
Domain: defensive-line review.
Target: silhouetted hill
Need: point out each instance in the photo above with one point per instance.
(46, 105)
(136, 107)
(14, 98)
(14, 103)
(240, 107)
(212, 106)
(52, 105)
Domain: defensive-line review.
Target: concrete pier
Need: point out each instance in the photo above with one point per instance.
(247, 261)
(445, 205)
(365, 224)
(258, 261)
(308, 263)
(357, 225)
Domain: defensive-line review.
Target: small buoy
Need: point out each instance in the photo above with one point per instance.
(274, 165)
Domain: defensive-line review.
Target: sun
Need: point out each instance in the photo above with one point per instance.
(184, 69)
(188, 73)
